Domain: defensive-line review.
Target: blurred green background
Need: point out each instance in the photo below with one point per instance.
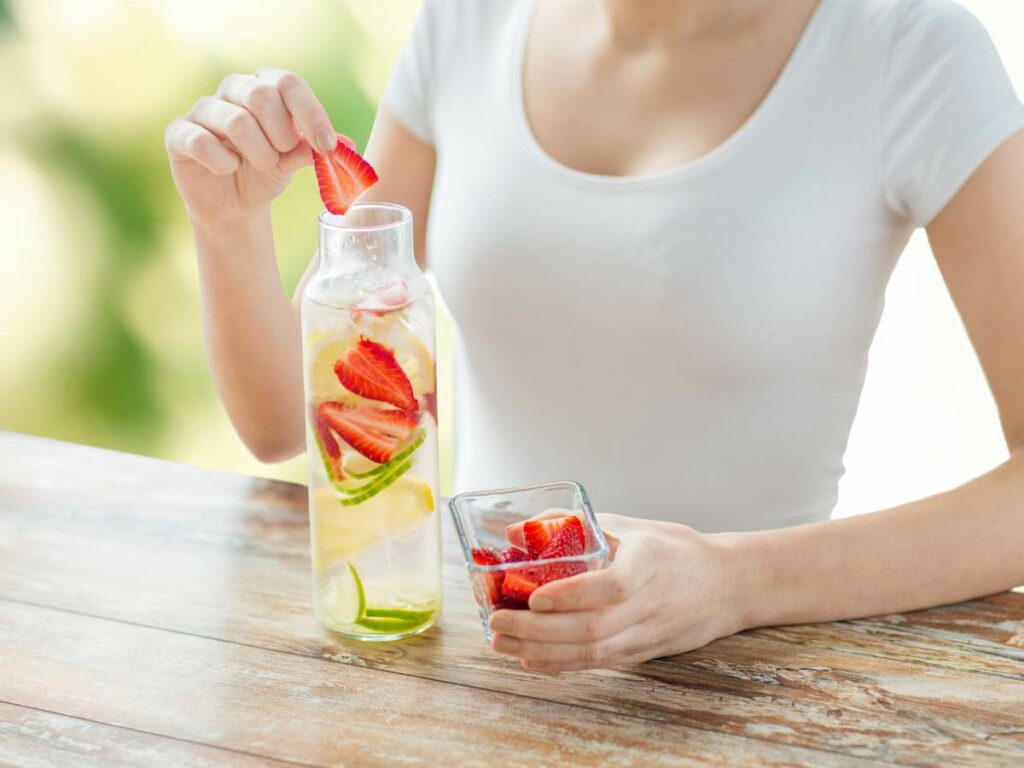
(99, 321)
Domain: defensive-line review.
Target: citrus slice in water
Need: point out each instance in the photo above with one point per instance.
(341, 532)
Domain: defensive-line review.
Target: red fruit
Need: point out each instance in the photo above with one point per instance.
(377, 433)
(508, 604)
(565, 543)
(491, 581)
(370, 370)
(342, 175)
(519, 585)
(538, 533)
(514, 555)
(330, 447)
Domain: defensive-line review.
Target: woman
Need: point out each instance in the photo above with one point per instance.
(664, 228)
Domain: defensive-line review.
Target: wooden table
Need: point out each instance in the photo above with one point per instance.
(157, 614)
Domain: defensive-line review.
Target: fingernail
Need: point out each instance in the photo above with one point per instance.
(501, 623)
(505, 644)
(541, 603)
(326, 141)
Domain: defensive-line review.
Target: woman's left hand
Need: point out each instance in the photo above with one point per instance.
(666, 591)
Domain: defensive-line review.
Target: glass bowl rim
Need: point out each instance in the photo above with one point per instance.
(601, 552)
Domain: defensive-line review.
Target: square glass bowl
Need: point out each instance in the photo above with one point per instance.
(481, 517)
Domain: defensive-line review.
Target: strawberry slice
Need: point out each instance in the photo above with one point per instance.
(369, 369)
(508, 604)
(514, 555)
(565, 543)
(329, 446)
(538, 533)
(343, 175)
(491, 581)
(377, 433)
(519, 585)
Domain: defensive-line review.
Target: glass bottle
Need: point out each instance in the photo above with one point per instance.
(370, 383)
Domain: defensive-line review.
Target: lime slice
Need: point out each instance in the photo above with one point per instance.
(387, 625)
(344, 600)
(360, 594)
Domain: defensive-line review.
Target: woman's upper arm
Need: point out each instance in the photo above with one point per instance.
(978, 241)
(405, 165)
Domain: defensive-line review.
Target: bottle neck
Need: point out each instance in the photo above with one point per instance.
(371, 241)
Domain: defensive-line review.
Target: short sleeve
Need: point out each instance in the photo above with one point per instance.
(410, 88)
(946, 105)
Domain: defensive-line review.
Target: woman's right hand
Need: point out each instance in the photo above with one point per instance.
(234, 152)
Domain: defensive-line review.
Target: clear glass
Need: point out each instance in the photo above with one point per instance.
(373, 479)
(481, 518)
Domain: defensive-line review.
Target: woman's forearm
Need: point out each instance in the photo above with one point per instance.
(252, 334)
(957, 545)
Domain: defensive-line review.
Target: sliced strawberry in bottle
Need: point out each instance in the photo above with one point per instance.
(369, 369)
(329, 448)
(538, 533)
(343, 175)
(376, 433)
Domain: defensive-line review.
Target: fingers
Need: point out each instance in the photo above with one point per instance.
(561, 657)
(188, 141)
(299, 157)
(264, 102)
(237, 125)
(308, 113)
(629, 572)
(568, 627)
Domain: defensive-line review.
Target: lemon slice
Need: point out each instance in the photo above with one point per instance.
(325, 352)
(341, 532)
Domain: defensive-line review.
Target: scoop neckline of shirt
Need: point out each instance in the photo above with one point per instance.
(764, 108)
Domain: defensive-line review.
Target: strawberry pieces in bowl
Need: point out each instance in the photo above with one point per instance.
(549, 542)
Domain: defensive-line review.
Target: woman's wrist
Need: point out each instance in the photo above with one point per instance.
(253, 222)
(745, 579)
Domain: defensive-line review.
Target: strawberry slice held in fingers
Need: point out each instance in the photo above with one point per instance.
(369, 369)
(342, 174)
(376, 433)
(538, 533)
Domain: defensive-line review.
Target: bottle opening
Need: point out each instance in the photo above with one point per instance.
(364, 217)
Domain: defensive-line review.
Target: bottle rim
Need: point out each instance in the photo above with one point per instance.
(402, 216)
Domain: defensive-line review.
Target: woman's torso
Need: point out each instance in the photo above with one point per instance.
(689, 344)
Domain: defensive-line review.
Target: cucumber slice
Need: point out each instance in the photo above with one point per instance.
(418, 437)
(372, 488)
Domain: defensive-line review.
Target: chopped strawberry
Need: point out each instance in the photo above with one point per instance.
(377, 433)
(491, 581)
(565, 543)
(342, 175)
(514, 555)
(369, 369)
(330, 447)
(508, 604)
(537, 533)
(519, 585)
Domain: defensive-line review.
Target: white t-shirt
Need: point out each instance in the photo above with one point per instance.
(690, 345)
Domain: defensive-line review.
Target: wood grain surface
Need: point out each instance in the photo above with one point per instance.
(157, 614)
